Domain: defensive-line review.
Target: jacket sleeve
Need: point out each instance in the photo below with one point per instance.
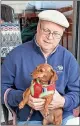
(8, 73)
(72, 97)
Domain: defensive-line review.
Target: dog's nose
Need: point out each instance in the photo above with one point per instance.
(31, 74)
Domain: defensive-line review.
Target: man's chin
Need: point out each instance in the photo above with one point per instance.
(46, 49)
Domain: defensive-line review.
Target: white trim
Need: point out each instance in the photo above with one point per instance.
(8, 107)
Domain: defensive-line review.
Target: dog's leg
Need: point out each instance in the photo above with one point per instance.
(47, 102)
(49, 119)
(45, 122)
(57, 121)
(25, 98)
(57, 113)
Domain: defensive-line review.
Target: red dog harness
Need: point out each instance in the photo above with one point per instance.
(39, 91)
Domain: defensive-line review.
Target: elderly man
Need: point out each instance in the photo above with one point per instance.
(44, 48)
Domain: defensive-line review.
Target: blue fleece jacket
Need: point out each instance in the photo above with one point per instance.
(19, 64)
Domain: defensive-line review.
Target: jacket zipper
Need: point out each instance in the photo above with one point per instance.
(45, 59)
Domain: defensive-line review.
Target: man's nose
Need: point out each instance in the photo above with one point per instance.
(50, 36)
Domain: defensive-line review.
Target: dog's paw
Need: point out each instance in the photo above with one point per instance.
(57, 121)
(45, 122)
(21, 105)
(46, 113)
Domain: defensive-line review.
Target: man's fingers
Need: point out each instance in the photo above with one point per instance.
(36, 99)
(36, 106)
(36, 103)
(39, 108)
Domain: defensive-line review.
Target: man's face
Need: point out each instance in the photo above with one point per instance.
(48, 35)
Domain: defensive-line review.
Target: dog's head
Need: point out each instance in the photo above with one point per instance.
(45, 74)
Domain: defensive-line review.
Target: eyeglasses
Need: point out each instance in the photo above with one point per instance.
(48, 32)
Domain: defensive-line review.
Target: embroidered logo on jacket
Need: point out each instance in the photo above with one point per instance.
(59, 69)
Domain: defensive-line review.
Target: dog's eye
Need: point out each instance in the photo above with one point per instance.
(41, 70)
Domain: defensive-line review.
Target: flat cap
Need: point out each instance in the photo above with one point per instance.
(54, 16)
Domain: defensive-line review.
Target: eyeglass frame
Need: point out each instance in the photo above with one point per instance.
(48, 32)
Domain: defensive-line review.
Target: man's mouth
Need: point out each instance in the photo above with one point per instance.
(47, 42)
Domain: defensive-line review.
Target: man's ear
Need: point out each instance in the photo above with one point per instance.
(54, 77)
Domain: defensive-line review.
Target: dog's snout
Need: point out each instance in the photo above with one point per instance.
(31, 74)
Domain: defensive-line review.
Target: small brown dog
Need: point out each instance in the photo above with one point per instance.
(43, 86)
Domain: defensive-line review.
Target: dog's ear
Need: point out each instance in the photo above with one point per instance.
(54, 77)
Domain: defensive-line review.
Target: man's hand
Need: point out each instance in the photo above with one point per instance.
(76, 111)
(36, 103)
(58, 101)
